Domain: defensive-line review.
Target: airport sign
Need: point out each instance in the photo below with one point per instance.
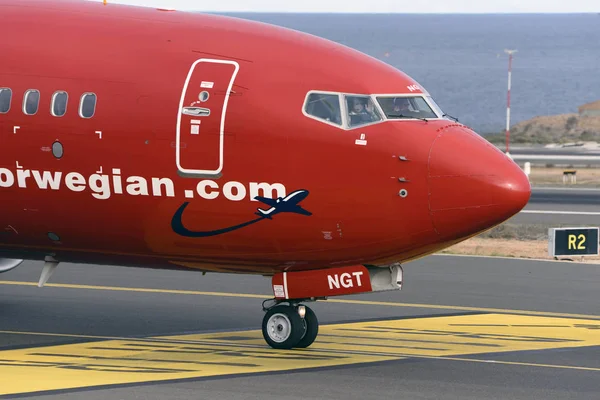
(573, 242)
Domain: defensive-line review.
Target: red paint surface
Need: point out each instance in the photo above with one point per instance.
(137, 60)
(322, 282)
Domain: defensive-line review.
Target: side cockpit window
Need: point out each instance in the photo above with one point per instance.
(361, 110)
(5, 99)
(324, 107)
(31, 102)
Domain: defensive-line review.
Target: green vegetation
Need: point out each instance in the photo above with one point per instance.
(571, 123)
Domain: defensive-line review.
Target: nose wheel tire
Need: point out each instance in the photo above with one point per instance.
(282, 327)
(312, 329)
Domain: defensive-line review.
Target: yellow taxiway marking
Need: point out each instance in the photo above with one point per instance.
(138, 290)
(155, 359)
(463, 308)
(340, 301)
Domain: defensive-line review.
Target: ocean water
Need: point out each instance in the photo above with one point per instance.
(460, 59)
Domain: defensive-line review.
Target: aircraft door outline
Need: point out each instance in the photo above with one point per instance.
(191, 116)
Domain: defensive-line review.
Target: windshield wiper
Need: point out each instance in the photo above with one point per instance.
(406, 116)
(451, 117)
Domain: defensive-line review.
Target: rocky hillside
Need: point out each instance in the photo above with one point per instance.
(553, 129)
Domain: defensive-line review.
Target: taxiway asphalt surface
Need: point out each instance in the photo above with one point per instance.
(561, 206)
(462, 327)
(566, 196)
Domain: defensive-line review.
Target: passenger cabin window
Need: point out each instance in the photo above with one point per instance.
(325, 107)
(406, 107)
(59, 103)
(31, 102)
(361, 111)
(87, 106)
(5, 99)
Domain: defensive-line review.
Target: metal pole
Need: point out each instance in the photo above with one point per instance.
(510, 58)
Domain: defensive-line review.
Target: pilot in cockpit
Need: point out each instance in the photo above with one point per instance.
(361, 112)
(358, 107)
(401, 106)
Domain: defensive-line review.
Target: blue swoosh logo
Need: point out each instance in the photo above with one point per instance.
(289, 204)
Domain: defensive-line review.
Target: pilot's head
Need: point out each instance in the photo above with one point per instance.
(401, 104)
(357, 105)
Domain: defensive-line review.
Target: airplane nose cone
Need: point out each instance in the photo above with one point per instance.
(472, 185)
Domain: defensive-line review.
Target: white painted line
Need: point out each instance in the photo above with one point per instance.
(566, 189)
(559, 212)
(15, 129)
(553, 157)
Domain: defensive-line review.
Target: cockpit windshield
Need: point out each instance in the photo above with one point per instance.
(361, 110)
(356, 111)
(406, 107)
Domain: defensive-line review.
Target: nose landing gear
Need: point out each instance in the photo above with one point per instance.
(290, 326)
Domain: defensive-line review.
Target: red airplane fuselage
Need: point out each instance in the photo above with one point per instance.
(196, 118)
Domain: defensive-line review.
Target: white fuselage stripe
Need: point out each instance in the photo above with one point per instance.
(285, 288)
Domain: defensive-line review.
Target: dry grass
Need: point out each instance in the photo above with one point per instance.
(554, 176)
(589, 123)
(519, 232)
(533, 249)
(512, 240)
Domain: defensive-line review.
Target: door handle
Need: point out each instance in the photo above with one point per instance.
(196, 111)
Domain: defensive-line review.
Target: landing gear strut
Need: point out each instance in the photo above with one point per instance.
(290, 326)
